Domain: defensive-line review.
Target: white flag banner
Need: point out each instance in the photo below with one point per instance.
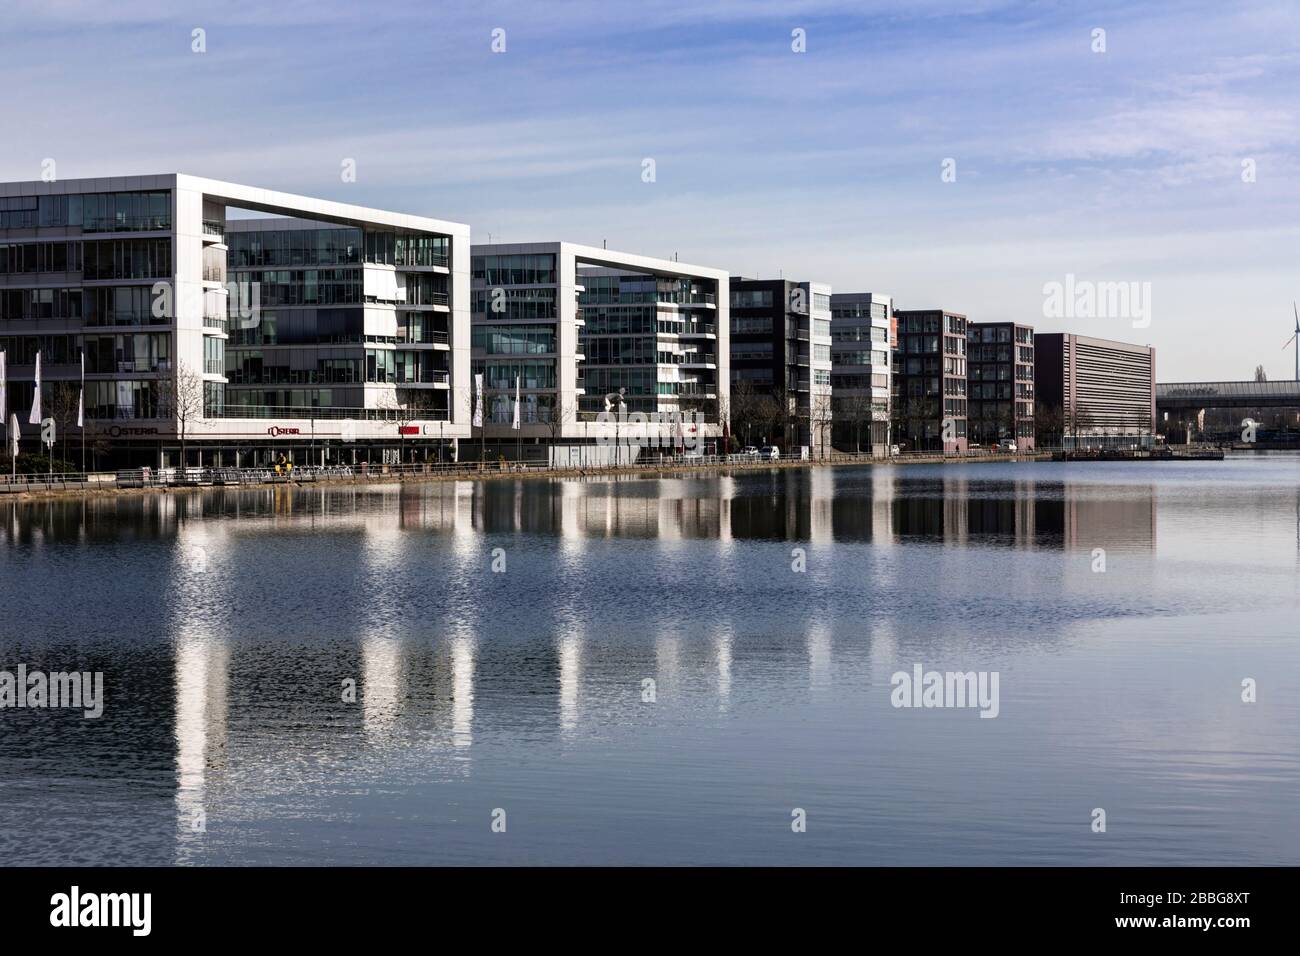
(81, 399)
(515, 423)
(4, 408)
(13, 435)
(35, 417)
(478, 400)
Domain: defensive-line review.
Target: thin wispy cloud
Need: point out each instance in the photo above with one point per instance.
(825, 164)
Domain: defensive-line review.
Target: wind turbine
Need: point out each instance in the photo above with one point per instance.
(1295, 338)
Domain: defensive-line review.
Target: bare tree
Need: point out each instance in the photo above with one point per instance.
(413, 406)
(1004, 420)
(724, 420)
(557, 415)
(785, 414)
(912, 415)
(62, 405)
(467, 402)
(745, 408)
(1079, 419)
(821, 418)
(768, 417)
(852, 411)
(1260, 374)
(1049, 423)
(181, 398)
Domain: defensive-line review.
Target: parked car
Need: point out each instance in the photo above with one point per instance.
(749, 451)
(893, 450)
(1007, 445)
(769, 453)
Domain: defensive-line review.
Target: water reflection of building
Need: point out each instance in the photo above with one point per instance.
(381, 693)
(1086, 522)
(722, 641)
(1024, 514)
(201, 665)
(569, 654)
(437, 678)
(882, 506)
(785, 505)
(462, 691)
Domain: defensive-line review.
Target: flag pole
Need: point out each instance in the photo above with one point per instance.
(519, 435)
(35, 416)
(81, 411)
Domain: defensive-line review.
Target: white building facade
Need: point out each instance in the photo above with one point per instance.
(132, 274)
(606, 352)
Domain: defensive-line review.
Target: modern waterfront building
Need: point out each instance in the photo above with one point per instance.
(1094, 393)
(781, 353)
(929, 410)
(861, 335)
(1000, 383)
(579, 331)
(347, 336)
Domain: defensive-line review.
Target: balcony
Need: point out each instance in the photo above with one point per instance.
(312, 412)
(133, 365)
(426, 377)
(217, 322)
(428, 338)
(698, 360)
(126, 224)
(427, 299)
(214, 230)
(435, 260)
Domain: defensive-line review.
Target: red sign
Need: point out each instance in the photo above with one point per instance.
(408, 429)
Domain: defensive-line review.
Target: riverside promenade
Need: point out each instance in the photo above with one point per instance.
(179, 480)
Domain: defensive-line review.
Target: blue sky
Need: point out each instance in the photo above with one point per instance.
(1117, 166)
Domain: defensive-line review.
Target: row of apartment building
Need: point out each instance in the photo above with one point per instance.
(179, 317)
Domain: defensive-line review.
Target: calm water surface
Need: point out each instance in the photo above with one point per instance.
(226, 624)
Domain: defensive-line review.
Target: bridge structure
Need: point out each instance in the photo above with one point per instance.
(1183, 397)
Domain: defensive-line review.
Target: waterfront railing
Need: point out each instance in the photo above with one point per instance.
(646, 462)
(200, 477)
